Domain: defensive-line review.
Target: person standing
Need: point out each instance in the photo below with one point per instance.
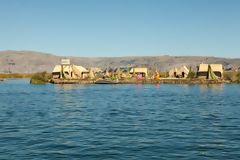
(103, 75)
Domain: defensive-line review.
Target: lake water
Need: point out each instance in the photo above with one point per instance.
(119, 121)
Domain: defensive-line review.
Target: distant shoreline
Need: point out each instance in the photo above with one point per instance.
(32, 62)
(16, 75)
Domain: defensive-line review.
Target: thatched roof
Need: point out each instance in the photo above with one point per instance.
(173, 70)
(214, 67)
(81, 68)
(139, 70)
(68, 68)
(57, 68)
(183, 69)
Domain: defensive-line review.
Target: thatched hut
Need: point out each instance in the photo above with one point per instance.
(182, 72)
(173, 72)
(203, 70)
(142, 71)
(58, 69)
(96, 70)
(83, 72)
(70, 71)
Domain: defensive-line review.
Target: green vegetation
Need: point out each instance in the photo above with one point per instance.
(238, 78)
(163, 74)
(159, 73)
(17, 75)
(128, 72)
(167, 74)
(232, 77)
(191, 73)
(134, 73)
(118, 72)
(40, 78)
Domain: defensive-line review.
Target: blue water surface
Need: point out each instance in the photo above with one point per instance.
(119, 121)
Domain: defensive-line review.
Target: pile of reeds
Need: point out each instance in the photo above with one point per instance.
(233, 77)
(40, 78)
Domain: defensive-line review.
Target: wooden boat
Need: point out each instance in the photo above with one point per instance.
(106, 82)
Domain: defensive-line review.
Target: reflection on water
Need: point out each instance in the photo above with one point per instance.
(212, 87)
(139, 85)
(119, 121)
(66, 87)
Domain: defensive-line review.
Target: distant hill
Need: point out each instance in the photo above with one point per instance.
(30, 62)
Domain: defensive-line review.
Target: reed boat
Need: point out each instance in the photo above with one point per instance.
(106, 82)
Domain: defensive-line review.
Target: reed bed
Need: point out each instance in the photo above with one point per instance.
(16, 75)
(233, 77)
(40, 78)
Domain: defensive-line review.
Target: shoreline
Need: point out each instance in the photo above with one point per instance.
(141, 81)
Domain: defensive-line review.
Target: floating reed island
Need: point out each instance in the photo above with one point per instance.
(67, 73)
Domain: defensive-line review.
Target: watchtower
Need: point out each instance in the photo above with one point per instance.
(65, 63)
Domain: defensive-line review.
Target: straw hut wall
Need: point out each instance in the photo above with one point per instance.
(183, 72)
(57, 71)
(204, 68)
(139, 70)
(70, 71)
(173, 72)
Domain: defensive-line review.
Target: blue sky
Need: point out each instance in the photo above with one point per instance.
(115, 28)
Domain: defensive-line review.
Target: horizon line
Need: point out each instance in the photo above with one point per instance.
(42, 52)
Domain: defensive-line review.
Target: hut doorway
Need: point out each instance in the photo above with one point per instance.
(183, 74)
(175, 74)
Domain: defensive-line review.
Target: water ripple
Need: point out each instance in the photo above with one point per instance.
(119, 122)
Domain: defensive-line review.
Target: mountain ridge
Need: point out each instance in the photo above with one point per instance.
(28, 61)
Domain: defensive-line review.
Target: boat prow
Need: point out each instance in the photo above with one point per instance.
(106, 82)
